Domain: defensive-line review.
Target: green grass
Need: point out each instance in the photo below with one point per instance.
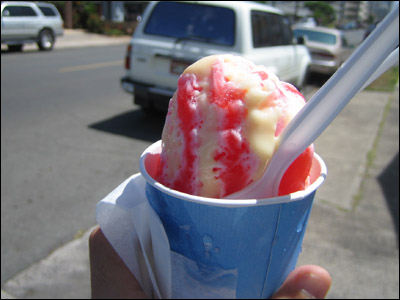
(114, 32)
(386, 82)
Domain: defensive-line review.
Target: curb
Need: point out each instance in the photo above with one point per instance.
(53, 276)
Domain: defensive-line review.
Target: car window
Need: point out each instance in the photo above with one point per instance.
(269, 29)
(18, 11)
(316, 36)
(207, 23)
(47, 11)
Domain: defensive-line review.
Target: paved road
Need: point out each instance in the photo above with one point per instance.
(69, 134)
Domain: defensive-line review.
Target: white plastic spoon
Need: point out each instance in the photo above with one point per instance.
(366, 61)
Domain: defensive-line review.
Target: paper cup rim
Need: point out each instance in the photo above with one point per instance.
(152, 149)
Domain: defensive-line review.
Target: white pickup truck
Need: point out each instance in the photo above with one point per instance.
(173, 35)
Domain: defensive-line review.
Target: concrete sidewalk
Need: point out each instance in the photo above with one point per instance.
(76, 38)
(80, 38)
(353, 230)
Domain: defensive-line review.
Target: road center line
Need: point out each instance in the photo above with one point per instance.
(91, 66)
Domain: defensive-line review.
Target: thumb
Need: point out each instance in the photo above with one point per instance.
(305, 282)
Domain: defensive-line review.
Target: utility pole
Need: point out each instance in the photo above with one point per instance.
(68, 15)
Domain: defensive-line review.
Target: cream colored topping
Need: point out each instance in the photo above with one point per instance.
(265, 106)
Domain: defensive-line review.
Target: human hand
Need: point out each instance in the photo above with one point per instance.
(111, 279)
(305, 282)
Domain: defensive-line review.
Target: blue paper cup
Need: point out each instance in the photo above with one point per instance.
(223, 248)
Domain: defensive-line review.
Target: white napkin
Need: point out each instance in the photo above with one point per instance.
(136, 233)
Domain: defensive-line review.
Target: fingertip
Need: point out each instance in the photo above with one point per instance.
(321, 273)
(97, 239)
(305, 282)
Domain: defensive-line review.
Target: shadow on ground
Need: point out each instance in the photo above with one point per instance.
(134, 124)
(25, 50)
(389, 182)
(317, 79)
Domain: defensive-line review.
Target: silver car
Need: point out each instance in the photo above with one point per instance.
(328, 48)
(30, 22)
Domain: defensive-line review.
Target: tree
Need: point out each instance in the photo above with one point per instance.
(323, 12)
(85, 16)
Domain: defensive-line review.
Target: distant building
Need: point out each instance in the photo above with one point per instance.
(122, 11)
(360, 11)
(292, 8)
(346, 11)
(379, 9)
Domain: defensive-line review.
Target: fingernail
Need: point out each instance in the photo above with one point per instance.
(303, 294)
(312, 287)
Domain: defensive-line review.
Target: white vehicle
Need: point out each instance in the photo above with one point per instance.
(30, 22)
(328, 47)
(173, 35)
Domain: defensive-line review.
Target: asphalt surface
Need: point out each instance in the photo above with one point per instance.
(353, 230)
(69, 134)
(74, 38)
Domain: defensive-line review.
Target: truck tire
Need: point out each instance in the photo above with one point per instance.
(15, 48)
(46, 40)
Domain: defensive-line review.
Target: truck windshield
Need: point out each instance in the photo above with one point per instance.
(316, 36)
(185, 21)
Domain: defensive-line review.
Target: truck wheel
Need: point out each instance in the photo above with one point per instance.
(148, 110)
(15, 48)
(46, 40)
(144, 104)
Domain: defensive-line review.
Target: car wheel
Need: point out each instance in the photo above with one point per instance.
(46, 40)
(15, 48)
(144, 103)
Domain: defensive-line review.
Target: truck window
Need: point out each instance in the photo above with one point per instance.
(185, 21)
(316, 36)
(269, 29)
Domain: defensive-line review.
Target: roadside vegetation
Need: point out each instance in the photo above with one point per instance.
(86, 16)
(386, 82)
